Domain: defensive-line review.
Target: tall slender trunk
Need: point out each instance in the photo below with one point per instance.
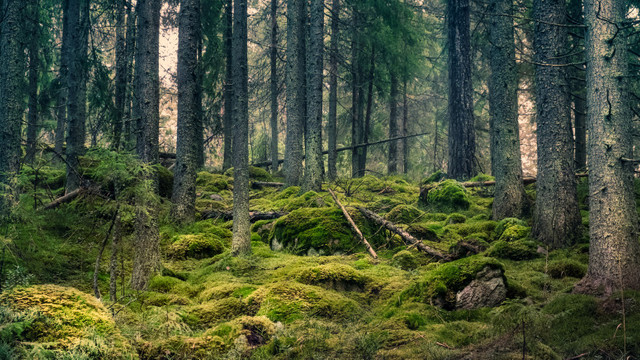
(462, 138)
(227, 117)
(614, 253)
(333, 91)
(392, 163)
(241, 242)
(405, 125)
(577, 86)
(356, 96)
(121, 74)
(506, 165)
(130, 113)
(556, 220)
(367, 117)
(32, 120)
(273, 58)
(184, 179)
(63, 76)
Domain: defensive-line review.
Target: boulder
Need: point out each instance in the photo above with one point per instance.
(486, 290)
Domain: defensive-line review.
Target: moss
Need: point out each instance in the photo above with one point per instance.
(184, 347)
(435, 177)
(507, 223)
(456, 218)
(482, 177)
(447, 196)
(60, 319)
(465, 229)
(46, 177)
(255, 173)
(213, 183)
(515, 232)
(384, 204)
(310, 199)
(423, 231)
(287, 193)
(405, 260)
(162, 299)
(163, 284)
(414, 321)
(165, 181)
(404, 214)
(514, 250)
(195, 246)
(333, 276)
(210, 313)
(558, 269)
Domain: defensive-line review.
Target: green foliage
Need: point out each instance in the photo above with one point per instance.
(195, 246)
(447, 196)
(456, 218)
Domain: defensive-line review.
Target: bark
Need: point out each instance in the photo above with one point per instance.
(356, 96)
(32, 119)
(462, 140)
(273, 60)
(577, 86)
(65, 198)
(405, 130)
(121, 74)
(62, 96)
(367, 118)
(506, 165)
(392, 165)
(12, 67)
(96, 269)
(614, 254)
(313, 141)
(227, 117)
(241, 241)
(130, 122)
(113, 263)
(189, 121)
(77, 87)
(296, 92)
(146, 260)
(332, 134)
(354, 226)
(556, 220)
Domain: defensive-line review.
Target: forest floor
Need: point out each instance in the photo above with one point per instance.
(309, 290)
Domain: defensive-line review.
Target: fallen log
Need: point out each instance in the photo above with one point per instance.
(253, 215)
(403, 234)
(66, 198)
(354, 226)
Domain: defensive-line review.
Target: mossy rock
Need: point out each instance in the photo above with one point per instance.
(195, 246)
(515, 232)
(558, 269)
(404, 214)
(456, 218)
(255, 173)
(465, 248)
(384, 204)
(482, 178)
(337, 277)
(435, 177)
(60, 320)
(507, 223)
(213, 183)
(446, 196)
(210, 313)
(217, 292)
(515, 250)
(165, 181)
(423, 231)
(405, 260)
(310, 199)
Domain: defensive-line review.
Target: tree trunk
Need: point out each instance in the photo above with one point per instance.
(273, 58)
(356, 95)
(77, 101)
(392, 165)
(405, 130)
(614, 254)
(313, 141)
(296, 92)
(146, 260)
(63, 83)
(506, 165)
(227, 117)
(556, 220)
(577, 86)
(241, 242)
(12, 67)
(462, 138)
(121, 74)
(184, 180)
(332, 133)
(367, 117)
(130, 122)
(32, 120)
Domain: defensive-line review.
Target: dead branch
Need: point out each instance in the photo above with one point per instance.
(354, 226)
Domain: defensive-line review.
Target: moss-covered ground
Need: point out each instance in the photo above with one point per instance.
(309, 290)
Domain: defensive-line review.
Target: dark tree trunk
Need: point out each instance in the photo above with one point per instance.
(241, 242)
(227, 117)
(313, 141)
(333, 92)
(121, 73)
(146, 260)
(392, 164)
(63, 81)
(356, 96)
(273, 58)
(130, 121)
(556, 220)
(32, 119)
(367, 117)
(506, 165)
(184, 180)
(296, 92)
(405, 130)
(614, 254)
(12, 67)
(462, 138)
(577, 86)
(77, 87)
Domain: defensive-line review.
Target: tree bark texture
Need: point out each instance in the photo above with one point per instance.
(462, 139)
(332, 172)
(227, 117)
(577, 85)
(121, 74)
(34, 64)
(62, 96)
(506, 165)
(357, 125)
(556, 220)
(367, 117)
(296, 91)
(189, 120)
(273, 61)
(241, 241)
(130, 122)
(392, 164)
(405, 130)
(614, 254)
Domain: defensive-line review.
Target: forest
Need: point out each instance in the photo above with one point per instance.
(319, 179)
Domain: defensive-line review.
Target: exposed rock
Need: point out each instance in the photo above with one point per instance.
(216, 197)
(487, 290)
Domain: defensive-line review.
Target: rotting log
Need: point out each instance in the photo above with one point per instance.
(253, 215)
(406, 237)
(66, 198)
(354, 226)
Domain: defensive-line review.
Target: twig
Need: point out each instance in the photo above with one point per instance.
(353, 225)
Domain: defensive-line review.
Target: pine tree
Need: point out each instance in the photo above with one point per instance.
(227, 118)
(333, 91)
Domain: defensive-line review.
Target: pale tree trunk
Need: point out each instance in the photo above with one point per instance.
(506, 165)
(332, 134)
(227, 117)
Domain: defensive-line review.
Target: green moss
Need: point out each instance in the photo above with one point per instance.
(238, 290)
(333, 276)
(447, 196)
(423, 231)
(384, 204)
(255, 173)
(514, 250)
(482, 177)
(210, 313)
(163, 284)
(515, 232)
(435, 177)
(465, 229)
(405, 260)
(456, 218)
(287, 193)
(195, 246)
(558, 269)
(213, 183)
(507, 223)
(165, 181)
(414, 321)
(162, 299)
(310, 199)
(404, 214)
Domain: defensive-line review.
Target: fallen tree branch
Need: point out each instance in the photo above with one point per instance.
(66, 198)
(410, 240)
(253, 215)
(354, 226)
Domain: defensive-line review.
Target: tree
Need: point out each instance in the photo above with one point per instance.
(332, 135)
(146, 260)
(296, 91)
(462, 139)
(121, 73)
(63, 82)
(357, 125)
(273, 60)
(227, 119)
(392, 164)
(614, 253)
(506, 165)
(556, 220)
(34, 64)
(241, 241)
(577, 84)
(189, 119)
(12, 67)
(314, 163)
(77, 89)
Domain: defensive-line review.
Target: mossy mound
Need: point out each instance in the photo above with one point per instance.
(310, 199)
(456, 218)
(515, 250)
(482, 178)
(423, 231)
(404, 214)
(255, 173)
(210, 313)
(485, 227)
(213, 183)
(515, 232)
(405, 260)
(217, 292)
(435, 177)
(559, 269)
(446, 196)
(333, 276)
(507, 223)
(195, 246)
(384, 204)
(165, 181)
(60, 320)
(47, 177)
